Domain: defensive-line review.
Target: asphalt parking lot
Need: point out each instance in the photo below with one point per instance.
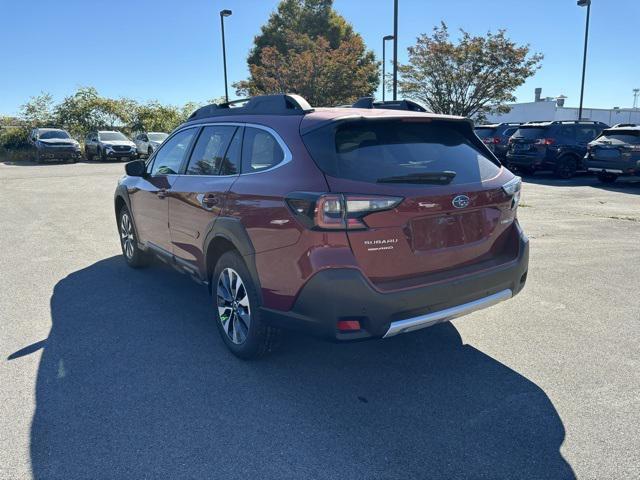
(107, 372)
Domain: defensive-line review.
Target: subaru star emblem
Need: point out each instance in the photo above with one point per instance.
(461, 201)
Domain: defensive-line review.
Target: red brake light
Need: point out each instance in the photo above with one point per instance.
(545, 141)
(331, 211)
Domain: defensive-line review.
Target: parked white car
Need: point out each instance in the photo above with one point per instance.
(147, 143)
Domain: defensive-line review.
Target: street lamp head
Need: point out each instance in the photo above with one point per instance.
(387, 37)
(584, 3)
(225, 13)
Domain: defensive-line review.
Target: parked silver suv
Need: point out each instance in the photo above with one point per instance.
(147, 143)
(106, 144)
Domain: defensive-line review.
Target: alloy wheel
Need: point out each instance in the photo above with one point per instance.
(126, 235)
(233, 306)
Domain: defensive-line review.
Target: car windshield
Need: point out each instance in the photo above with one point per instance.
(49, 134)
(530, 132)
(157, 137)
(400, 151)
(625, 136)
(112, 136)
(485, 132)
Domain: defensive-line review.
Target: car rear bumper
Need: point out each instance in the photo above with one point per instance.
(619, 167)
(343, 294)
(530, 161)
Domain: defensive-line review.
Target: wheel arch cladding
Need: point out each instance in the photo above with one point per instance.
(229, 234)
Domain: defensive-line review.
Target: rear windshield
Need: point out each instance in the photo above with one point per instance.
(626, 136)
(380, 150)
(484, 132)
(49, 134)
(530, 132)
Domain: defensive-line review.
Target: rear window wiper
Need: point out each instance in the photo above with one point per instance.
(436, 178)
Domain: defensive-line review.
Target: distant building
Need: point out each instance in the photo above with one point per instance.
(551, 108)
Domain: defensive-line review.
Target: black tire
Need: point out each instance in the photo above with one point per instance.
(259, 338)
(38, 158)
(567, 167)
(103, 155)
(608, 178)
(87, 155)
(132, 254)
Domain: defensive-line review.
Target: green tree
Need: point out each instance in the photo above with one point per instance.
(306, 47)
(474, 76)
(38, 111)
(155, 117)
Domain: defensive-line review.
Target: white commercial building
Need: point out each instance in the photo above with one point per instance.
(548, 109)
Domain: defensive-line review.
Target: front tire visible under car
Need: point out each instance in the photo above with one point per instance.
(567, 167)
(237, 309)
(133, 255)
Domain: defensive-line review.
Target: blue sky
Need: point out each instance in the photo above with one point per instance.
(170, 51)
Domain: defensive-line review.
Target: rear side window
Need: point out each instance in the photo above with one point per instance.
(586, 133)
(209, 152)
(379, 151)
(260, 150)
(509, 131)
(485, 132)
(170, 156)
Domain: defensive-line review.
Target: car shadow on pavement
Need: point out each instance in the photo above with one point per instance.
(134, 382)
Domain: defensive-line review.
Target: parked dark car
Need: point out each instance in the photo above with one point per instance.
(348, 223)
(496, 136)
(51, 144)
(559, 146)
(615, 153)
(109, 145)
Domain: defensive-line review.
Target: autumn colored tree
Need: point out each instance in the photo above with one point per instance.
(474, 76)
(307, 48)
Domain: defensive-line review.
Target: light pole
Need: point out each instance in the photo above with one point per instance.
(395, 49)
(584, 3)
(384, 62)
(224, 13)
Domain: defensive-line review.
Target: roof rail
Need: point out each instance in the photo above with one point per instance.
(369, 102)
(280, 104)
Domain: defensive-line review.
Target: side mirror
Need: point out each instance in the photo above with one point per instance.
(137, 168)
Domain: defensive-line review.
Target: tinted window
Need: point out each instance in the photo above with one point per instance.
(485, 132)
(112, 136)
(530, 133)
(210, 150)
(625, 136)
(567, 132)
(169, 158)
(231, 162)
(510, 131)
(586, 133)
(54, 134)
(260, 150)
(372, 151)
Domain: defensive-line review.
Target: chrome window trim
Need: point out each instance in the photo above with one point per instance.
(287, 153)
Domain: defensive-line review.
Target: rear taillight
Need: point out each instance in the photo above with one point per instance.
(491, 140)
(331, 211)
(545, 141)
(513, 189)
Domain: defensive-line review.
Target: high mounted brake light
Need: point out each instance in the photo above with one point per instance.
(331, 211)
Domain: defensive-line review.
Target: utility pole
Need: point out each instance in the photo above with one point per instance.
(584, 3)
(384, 63)
(395, 49)
(223, 14)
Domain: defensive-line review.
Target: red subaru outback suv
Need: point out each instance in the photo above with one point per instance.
(348, 223)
